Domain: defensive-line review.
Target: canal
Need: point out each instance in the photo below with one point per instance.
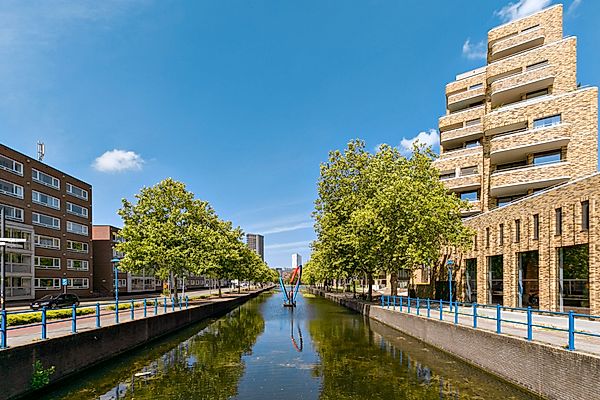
(262, 350)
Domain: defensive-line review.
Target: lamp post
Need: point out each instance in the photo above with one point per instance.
(115, 262)
(449, 264)
(4, 241)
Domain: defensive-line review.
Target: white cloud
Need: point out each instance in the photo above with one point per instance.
(118, 161)
(521, 9)
(430, 138)
(288, 245)
(474, 51)
(288, 228)
(573, 6)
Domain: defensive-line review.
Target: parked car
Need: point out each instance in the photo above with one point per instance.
(55, 301)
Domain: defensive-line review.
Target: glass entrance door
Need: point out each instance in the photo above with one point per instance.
(496, 279)
(574, 278)
(471, 280)
(529, 284)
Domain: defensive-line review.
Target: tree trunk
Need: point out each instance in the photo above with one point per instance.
(370, 279)
(219, 285)
(354, 287)
(394, 283)
(239, 286)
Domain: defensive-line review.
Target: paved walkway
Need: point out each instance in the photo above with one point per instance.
(25, 334)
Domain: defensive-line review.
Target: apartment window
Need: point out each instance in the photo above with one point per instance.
(530, 28)
(487, 237)
(47, 242)
(12, 213)
(78, 265)
(512, 165)
(537, 65)
(472, 122)
(501, 235)
(447, 175)
(470, 196)
(45, 220)
(45, 200)
(517, 230)
(546, 121)
(47, 283)
(45, 179)
(537, 93)
(547, 158)
(502, 201)
(558, 215)
(472, 143)
(585, 215)
(11, 165)
(476, 86)
(77, 247)
(468, 171)
(536, 226)
(79, 229)
(77, 192)
(77, 210)
(79, 283)
(11, 189)
(122, 282)
(46, 262)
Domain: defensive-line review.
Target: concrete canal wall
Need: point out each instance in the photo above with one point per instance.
(74, 353)
(545, 370)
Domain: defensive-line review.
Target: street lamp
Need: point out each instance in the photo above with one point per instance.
(449, 264)
(4, 242)
(115, 261)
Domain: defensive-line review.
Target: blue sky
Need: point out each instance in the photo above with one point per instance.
(239, 99)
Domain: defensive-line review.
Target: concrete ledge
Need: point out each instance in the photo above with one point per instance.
(547, 371)
(74, 353)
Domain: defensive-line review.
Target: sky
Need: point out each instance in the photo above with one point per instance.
(241, 100)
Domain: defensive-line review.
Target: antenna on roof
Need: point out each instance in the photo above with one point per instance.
(41, 150)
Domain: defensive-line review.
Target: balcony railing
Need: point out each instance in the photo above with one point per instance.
(517, 144)
(471, 131)
(524, 82)
(459, 101)
(18, 268)
(521, 42)
(534, 176)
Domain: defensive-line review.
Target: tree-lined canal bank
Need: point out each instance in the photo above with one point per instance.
(261, 350)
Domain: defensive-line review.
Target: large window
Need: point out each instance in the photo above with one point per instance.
(77, 247)
(45, 200)
(11, 165)
(574, 278)
(47, 242)
(12, 213)
(46, 262)
(546, 121)
(45, 220)
(45, 179)
(77, 210)
(47, 283)
(470, 196)
(79, 283)
(77, 192)
(471, 280)
(496, 277)
(529, 279)
(547, 158)
(79, 229)
(78, 265)
(11, 189)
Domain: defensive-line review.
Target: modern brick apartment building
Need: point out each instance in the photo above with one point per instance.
(519, 141)
(53, 211)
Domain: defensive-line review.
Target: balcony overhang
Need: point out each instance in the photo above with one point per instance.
(462, 100)
(521, 187)
(508, 95)
(517, 44)
(506, 155)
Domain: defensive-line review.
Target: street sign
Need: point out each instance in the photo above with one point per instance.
(450, 262)
(65, 281)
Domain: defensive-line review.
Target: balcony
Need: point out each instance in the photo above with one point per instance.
(464, 182)
(511, 88)
(18, 268)
(515, 146)
(461, 134)
(461, 116)
(462, 100)
(517, 43)
(518, 180)
(449, 160)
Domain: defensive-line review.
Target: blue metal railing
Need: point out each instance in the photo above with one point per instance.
(96, 311)
(457, 309)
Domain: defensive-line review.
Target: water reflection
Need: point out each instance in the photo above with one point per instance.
(300, 344)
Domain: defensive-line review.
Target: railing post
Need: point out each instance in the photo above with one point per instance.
(388, 302)
(165, 304)
(408, 305)
(44, 326)
(529, 323)
(132, 310)
(97, 315)
(394, 303)
(117, 311)
(382, 296)
(145, 309)
(180, 301)
(428, 308)
(418, 308)
(475, 315)
(187, 300)
(498, 319)
(456, 312)
(155, 305)
(571, 331)
(173, 304)
(74, 319)
(3, 327)
(401, 301)
(441, 310)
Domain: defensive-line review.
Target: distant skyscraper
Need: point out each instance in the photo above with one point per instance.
(296, 260)
(256, 242)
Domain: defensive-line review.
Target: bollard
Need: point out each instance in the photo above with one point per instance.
(132, 310)
(441, 310)
(475, 315)
(571, 331)
(498, 319)
(97, 315)
(456, 312)
(145, 305)
(529, 327)
(44, 326)
(3, 327)
(428, 308)
(418, 308)
(117, 311)
(408, 304)
(74, 320)
(165, 304)
(155, 306)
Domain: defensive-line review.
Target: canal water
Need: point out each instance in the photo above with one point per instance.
(262, 350)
